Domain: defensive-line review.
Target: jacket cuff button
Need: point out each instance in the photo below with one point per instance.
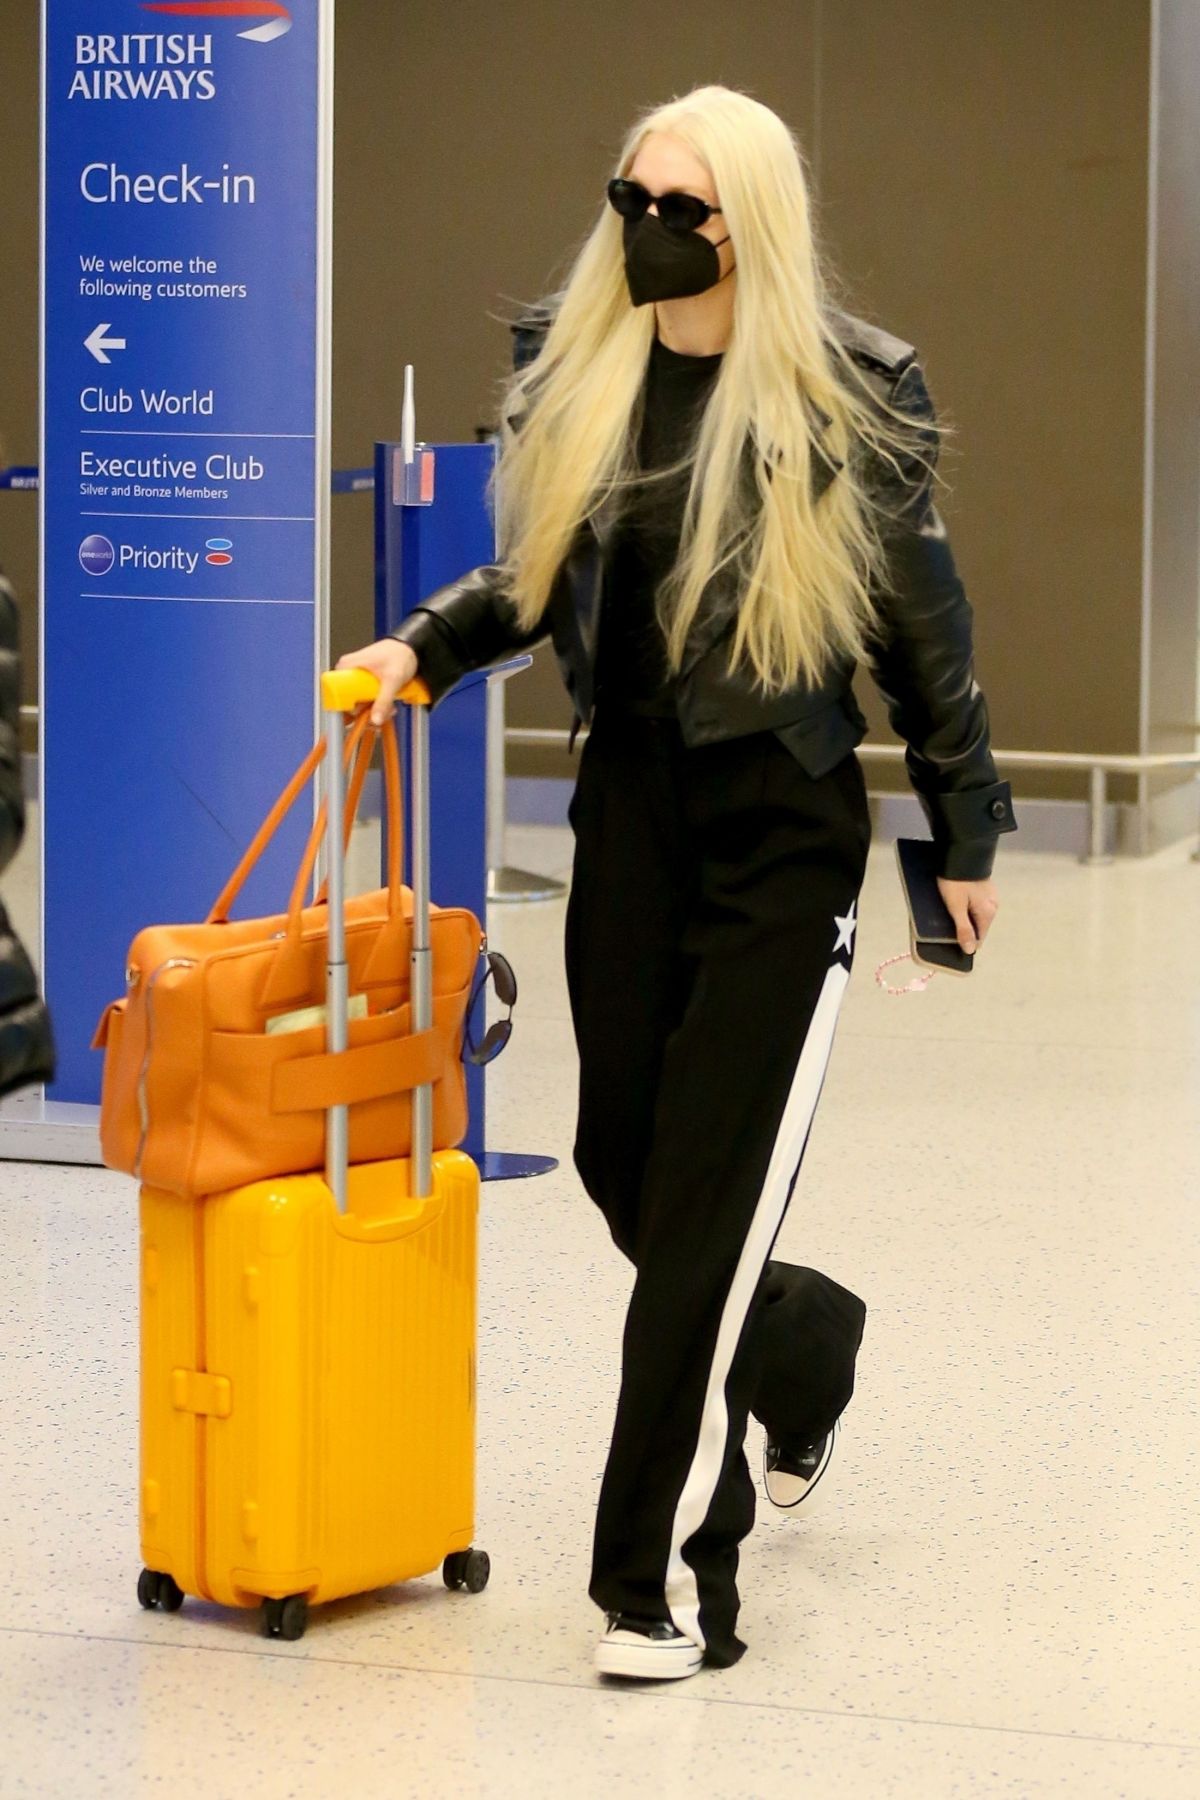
(998, 809)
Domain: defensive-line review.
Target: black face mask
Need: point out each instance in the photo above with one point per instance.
(661, 264)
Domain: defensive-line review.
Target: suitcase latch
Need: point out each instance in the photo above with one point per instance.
(209, 1395)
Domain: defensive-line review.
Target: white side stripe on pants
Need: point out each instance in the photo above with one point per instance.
(682, 1594)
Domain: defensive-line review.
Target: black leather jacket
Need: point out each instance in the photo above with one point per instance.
(921, 657)
(26, 1050)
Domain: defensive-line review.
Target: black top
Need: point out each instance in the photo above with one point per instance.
(631, 663)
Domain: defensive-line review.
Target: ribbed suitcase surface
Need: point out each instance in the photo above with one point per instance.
(308, 1404)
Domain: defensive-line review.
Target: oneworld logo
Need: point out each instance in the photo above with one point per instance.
(277, 19)
(96, 555)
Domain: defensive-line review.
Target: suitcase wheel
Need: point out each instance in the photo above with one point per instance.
(467, 1569)
(287, 1619)
(162, 1591)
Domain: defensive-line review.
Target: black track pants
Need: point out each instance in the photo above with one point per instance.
(710, 932)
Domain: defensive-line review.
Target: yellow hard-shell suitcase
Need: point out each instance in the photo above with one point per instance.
(308, 1343)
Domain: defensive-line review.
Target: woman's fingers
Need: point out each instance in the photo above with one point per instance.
(398, 665)
(385, 700)
(961, 914)
(972, 905)
(983, 908)
(393, 663)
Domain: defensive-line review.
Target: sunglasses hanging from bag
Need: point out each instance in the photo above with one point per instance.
(500, 973)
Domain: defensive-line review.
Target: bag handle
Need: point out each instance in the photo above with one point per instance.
(359, 745)
(361, 739)
(220, 910)
(353, 798)
(289, 973)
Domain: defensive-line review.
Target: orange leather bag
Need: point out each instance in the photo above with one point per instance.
(198, 1096)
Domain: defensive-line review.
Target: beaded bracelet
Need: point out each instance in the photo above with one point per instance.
(917, 985)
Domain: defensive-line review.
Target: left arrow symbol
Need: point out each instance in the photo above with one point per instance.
(97, 343)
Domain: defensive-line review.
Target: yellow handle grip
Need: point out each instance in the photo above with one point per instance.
(344, 690)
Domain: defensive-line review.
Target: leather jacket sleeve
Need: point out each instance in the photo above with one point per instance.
(468, 624)
(12, 803)
(922, 659)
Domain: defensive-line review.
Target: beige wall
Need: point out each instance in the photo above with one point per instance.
(981, 174)
(983, 169)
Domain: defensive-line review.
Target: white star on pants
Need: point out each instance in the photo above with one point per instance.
(845, 929)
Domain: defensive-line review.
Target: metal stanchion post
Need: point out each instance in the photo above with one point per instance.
(1097, 851)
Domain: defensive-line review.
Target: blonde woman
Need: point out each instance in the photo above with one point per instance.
(714, 494)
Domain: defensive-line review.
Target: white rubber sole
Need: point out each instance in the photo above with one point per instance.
(629, 1654)
(787, 1493)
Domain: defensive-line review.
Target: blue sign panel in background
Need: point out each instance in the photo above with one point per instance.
(180, 460)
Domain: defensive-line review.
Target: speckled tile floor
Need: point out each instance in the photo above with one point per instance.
(998, 1596)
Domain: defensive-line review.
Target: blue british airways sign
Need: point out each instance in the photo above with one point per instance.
(184, 465)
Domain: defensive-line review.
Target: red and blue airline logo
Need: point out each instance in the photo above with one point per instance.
(218, 551)
(277, 19)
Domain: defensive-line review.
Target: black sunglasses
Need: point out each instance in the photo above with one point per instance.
(679, 212)
(500, 972)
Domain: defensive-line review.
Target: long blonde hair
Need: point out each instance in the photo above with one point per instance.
(806, 572)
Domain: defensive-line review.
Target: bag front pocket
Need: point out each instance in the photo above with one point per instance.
(261, 1117)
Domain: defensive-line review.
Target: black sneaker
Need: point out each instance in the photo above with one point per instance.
(646, 1650)
(791, 1476)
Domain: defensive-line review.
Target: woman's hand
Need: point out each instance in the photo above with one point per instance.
(972, 905)
(394, 663)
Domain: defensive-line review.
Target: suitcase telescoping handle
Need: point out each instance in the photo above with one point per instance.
(342, 692)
